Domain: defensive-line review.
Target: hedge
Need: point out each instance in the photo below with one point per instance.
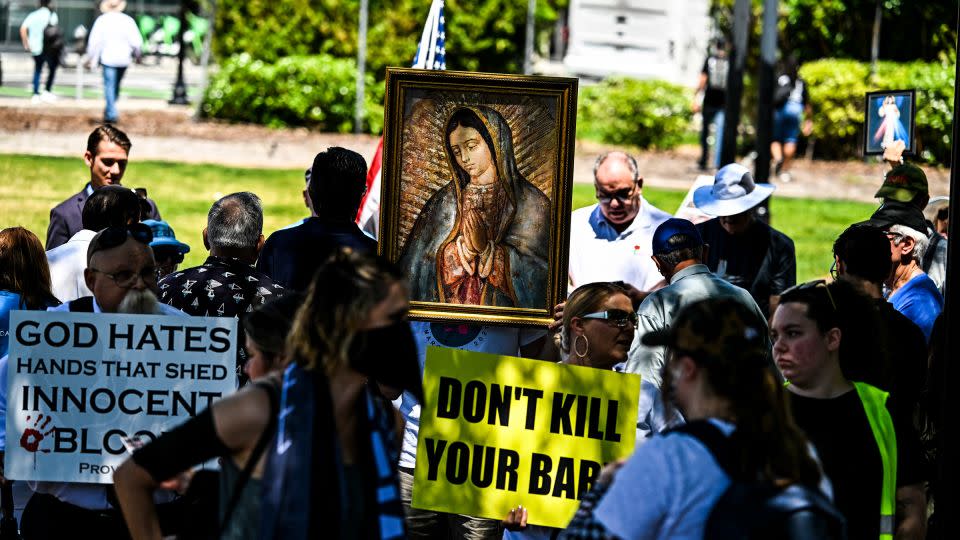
(645, 114)
(837, 89)
(312, 91)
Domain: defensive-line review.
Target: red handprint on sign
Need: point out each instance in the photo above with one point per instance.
(32, 436)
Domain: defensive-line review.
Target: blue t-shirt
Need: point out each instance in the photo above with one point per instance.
(920, 301)
(9, 301)
(665, 490)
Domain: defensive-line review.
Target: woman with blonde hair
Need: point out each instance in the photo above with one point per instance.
(597, 331)
(331, 471)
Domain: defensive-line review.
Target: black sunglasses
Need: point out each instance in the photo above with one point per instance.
(618, 317)
(167, 255)
(114, 236)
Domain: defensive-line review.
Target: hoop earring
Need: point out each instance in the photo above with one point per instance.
(586, 348)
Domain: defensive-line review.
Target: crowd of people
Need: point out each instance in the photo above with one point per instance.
(748, 378)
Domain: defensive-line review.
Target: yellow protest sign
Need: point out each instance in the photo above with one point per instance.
(498, 431)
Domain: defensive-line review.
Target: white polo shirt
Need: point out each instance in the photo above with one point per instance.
(600, 253)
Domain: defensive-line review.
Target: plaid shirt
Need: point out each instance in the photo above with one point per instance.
(584, 526)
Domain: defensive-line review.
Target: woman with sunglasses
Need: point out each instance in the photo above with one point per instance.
(821, 334)
(597, 332)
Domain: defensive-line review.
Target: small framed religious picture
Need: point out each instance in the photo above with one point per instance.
(476, 189)
(890, 119)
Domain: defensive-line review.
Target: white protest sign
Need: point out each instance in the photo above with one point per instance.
(78, 384)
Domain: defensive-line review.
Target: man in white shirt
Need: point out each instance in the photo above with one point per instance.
(610, 241)
(114, 41)
(109, 205)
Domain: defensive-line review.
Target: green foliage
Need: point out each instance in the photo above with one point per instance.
(313, 91)
(812, 29)
(272, 29)
(481, 35)
(837, 89)
(640, 113)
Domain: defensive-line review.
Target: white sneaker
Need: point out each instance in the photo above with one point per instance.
(35, 99)
(47, 97)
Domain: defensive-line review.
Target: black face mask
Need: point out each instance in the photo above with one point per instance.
(388, 355)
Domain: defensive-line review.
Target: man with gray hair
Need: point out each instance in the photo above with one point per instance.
(912, 292)
(226, 284)
(610, 241)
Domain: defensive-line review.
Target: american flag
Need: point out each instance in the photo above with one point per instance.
(431, 54)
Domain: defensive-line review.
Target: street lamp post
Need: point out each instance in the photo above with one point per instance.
(180, 87)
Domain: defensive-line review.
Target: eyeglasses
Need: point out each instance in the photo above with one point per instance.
(114, 236)
(895, 236)
(128, 278)
(618, 317)
(817, 283)
(834, 273)
(622, 196)
(169, 256)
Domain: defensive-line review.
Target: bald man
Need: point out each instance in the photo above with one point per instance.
(611, 240)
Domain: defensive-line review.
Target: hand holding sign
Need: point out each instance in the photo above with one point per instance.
(497, 431)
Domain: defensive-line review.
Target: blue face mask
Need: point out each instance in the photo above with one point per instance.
(388, 355)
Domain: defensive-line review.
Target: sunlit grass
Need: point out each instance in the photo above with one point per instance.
(31, 185)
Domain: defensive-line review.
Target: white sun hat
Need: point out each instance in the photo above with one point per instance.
(733, 192)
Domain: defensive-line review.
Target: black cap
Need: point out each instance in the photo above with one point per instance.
(897, 213)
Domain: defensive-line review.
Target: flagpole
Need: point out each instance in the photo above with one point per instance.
(361, 68)
(528, 49)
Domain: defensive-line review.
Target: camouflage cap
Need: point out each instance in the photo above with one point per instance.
(903, 183)
(713, 328)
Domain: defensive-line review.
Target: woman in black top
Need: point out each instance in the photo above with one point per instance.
(236, 429)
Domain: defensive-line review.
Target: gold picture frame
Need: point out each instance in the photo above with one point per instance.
(476, 192)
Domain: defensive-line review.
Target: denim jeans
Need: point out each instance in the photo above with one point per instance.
(711, 115)
(428, 525)
(38, 61)
(111, 89)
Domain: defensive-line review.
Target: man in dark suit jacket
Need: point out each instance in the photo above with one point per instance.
(106, 155)
(291, 256)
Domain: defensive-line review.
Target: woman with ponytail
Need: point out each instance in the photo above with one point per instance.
(825, 338)
(718, 376)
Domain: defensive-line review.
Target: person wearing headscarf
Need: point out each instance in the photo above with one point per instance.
(482, 239)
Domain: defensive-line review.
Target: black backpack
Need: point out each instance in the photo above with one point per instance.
(755, 510)
(52, 38)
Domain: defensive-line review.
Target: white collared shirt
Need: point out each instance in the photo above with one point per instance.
(67, 263)
(598, 253)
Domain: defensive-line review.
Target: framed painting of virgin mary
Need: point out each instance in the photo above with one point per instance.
(476, 193)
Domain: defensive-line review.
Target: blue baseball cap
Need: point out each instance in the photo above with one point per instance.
(673, 227)
(163, 236)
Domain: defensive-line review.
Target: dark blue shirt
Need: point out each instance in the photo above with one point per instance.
(291, 256)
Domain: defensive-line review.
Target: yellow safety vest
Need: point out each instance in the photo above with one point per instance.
(874, 403)
(881, 424)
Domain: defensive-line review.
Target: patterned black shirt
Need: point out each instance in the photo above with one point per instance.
(221, 287)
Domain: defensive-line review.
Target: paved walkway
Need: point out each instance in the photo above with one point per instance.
(167, 132)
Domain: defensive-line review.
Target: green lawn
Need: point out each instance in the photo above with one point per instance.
(32, 185)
